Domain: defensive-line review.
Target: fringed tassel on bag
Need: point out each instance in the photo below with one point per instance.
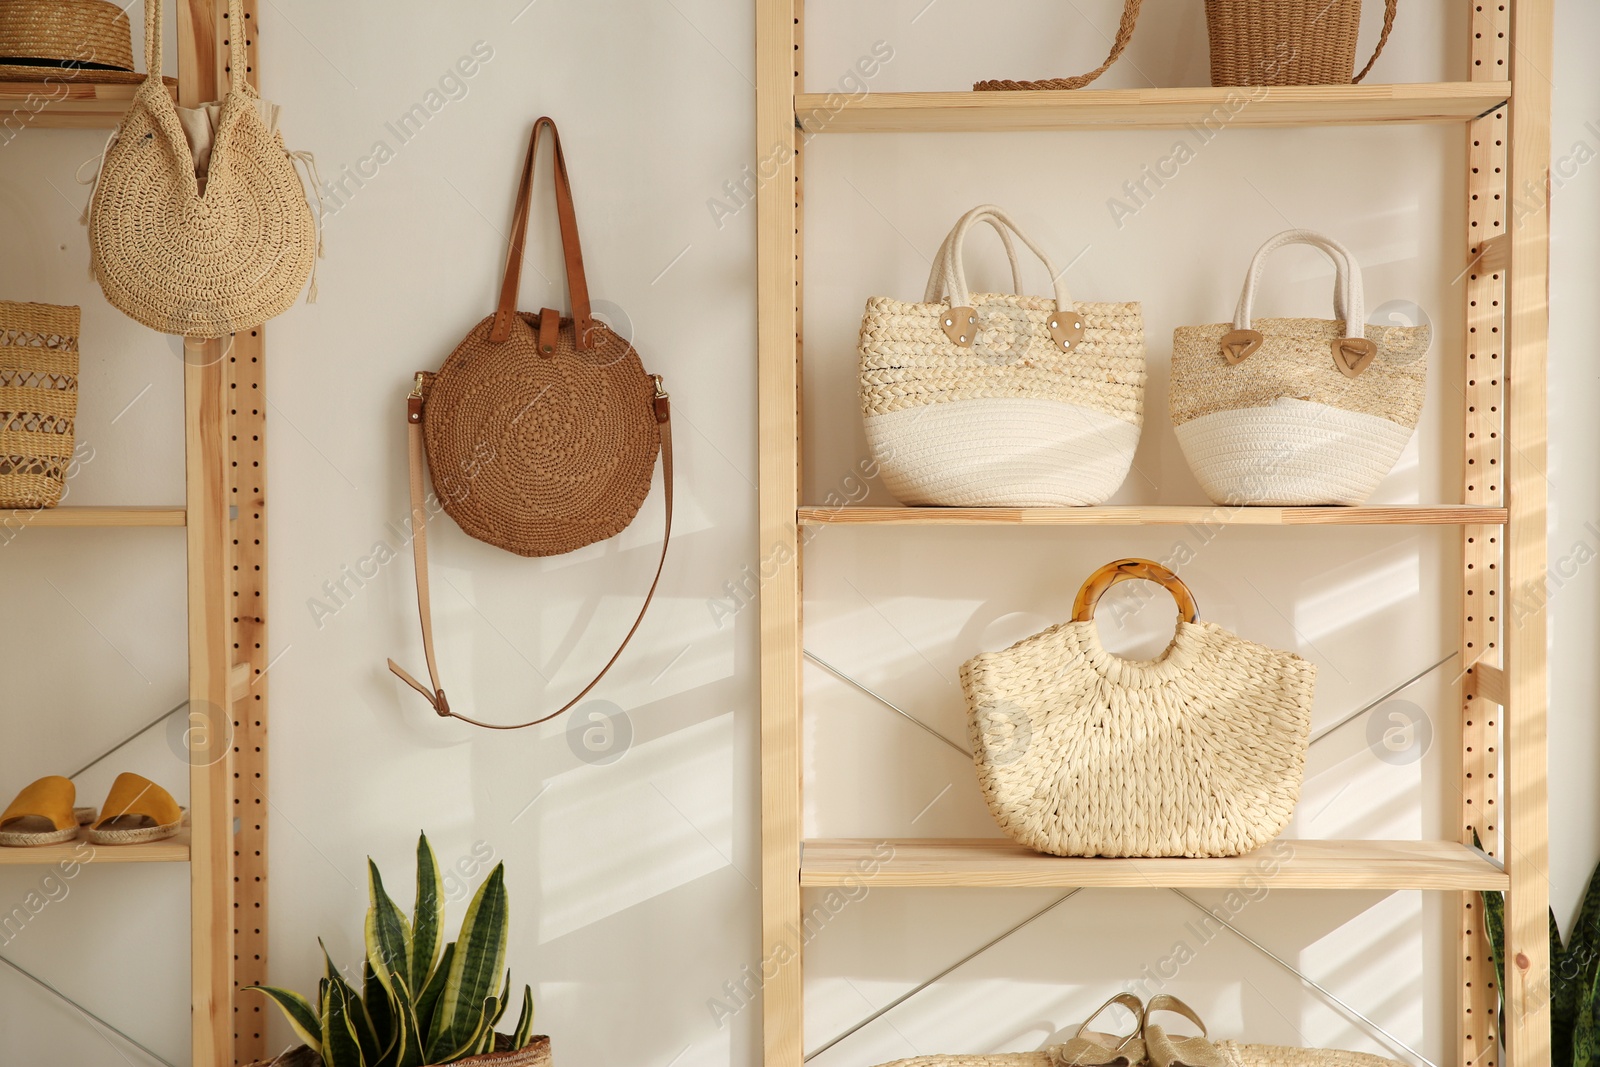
(314, 179)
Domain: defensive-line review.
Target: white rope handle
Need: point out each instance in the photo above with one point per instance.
(938, 285)
(959, 295)
(1349, 300)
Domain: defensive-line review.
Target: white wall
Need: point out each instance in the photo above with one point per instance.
(633, 882)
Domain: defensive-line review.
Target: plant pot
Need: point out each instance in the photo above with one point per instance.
(535, 1055)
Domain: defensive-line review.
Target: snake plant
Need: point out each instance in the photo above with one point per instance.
(1574, 976)
(422, 1001)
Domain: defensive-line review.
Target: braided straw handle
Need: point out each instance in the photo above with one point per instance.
(1388, 27)
(1124, 570)
(1130, 16)
(153, 41)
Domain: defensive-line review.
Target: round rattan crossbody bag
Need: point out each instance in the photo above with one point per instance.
(541, 432)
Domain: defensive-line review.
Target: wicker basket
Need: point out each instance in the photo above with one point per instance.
(1288, 42)
(38, 402)
(535, 1055)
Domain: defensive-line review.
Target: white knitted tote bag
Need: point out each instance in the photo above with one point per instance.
(1082, 753)
(975, 400)
(1297, 411)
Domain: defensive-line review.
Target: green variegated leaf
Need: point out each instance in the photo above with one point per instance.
(388, 935)
(427, 925)
(480, 954)
(340, 1047)
(1583, 1047)
(301, 1015)
(380, 1007)
(429, 1022)
(524, 1035)
(469, 1044)
(407, 1050)
(501, 1001)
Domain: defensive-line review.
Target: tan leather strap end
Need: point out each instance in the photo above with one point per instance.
(435, 697)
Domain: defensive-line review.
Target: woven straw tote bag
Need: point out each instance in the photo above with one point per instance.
(1297, 411)
(1080, 752)
(981, 400)
(38, 402)
(1289, 42)
(199, 224)
(541, 432)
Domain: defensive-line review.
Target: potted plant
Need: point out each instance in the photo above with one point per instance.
(422, 1001)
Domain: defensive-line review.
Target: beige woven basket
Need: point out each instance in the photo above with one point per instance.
(980, 400)
(1199, 752)
(38, 402)
(1288, 42)
(1297, 412)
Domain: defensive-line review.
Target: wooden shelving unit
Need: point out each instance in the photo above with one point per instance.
(1208, 515)
(172, 850)
(1504, 111)
(95, 517)
(994, 863)
(223, 520)
(66, 105)
(1150, 109)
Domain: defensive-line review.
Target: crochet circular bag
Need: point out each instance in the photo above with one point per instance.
(1080, 752)
(199, 224)
(541, 432)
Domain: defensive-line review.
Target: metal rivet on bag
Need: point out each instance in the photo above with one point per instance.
(949, 322)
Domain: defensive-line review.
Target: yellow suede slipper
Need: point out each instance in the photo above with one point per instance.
(43, 814)
(136, 812)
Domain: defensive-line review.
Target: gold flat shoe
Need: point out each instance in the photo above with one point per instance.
(1092, 1048)
(1164, 1050)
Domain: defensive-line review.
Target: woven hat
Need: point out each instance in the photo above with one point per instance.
(72, 40)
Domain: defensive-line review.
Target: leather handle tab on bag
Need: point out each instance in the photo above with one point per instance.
(1124, 570)
(571, 251)
(434, 693)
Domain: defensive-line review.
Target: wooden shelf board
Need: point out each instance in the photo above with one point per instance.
(1156, 515)
(65, 104)
(993, 862)
(95, 516)
(1150, 109)
(172, 850)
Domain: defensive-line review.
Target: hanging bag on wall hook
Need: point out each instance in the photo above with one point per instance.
(541, 432)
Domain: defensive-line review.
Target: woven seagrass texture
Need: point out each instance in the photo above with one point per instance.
(87, 40)
(1240, 1055)
(535, 1055)
(1011, 1059)
(907, 360)
(541, 453)
(1287, 42)
(38, 402)
(1295, 360)
(1083, 753)
(200, 263)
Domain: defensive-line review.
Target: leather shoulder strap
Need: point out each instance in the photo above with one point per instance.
(419, 556)
(571, 251)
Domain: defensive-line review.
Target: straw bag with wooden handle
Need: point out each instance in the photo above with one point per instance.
(199, 224)
(541, 432)
(988, 400)
(1297, 411)
(1199, 752)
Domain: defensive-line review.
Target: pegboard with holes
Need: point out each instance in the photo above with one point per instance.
(1483, 548)
(246, 429)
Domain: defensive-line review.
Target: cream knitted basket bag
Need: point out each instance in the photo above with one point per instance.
(1297, 411)
(199, 224)
(975, 400)
(1082, 753)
